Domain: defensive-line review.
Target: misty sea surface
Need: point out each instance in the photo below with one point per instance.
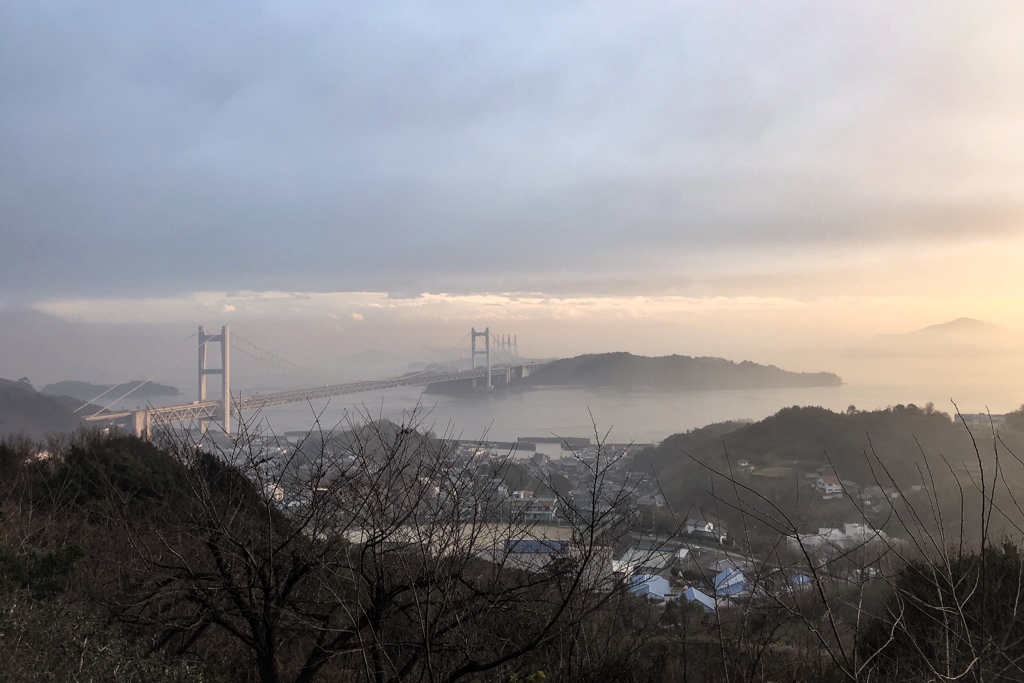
(634, 416)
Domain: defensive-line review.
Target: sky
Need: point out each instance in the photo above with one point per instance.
(776, 181)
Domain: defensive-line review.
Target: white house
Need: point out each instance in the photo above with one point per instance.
(828, 484)
(539, 509)
(852, 534)
(694, 524)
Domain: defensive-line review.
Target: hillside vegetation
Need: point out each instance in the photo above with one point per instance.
(902, 447)
(376, 556)
(26, 412)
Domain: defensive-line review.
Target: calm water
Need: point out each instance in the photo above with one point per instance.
(642, 417)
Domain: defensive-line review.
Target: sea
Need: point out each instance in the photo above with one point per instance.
(612, 415)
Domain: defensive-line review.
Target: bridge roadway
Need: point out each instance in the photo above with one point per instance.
(144, 420)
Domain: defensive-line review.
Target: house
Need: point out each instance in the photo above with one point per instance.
(531, 553)
(851, 535)
(828, 484)
(693, 595)
(539, 509)
(650, 586)
(872, 492)
(983, 420)
(721, 565)
(798, 581)
(698, 527)
(654, 560)
(651, 500)
(540, 546)
(695, 524)
(730, 582)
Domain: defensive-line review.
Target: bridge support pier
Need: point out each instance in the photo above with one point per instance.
(224, 338)
(139, 423)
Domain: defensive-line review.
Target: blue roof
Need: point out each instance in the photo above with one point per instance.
(694, 595)
(730, 582)
(649, 584)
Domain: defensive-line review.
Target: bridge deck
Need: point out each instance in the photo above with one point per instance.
(209, 410)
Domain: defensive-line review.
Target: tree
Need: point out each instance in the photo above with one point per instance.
(377, 553)
(1015, 419)
(952, 620)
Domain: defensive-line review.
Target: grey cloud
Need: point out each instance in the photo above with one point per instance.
(403, 147)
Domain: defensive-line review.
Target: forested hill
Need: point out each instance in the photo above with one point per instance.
(24, 411)
(898, 446)
(626, 371)
(806, 438)
(86, 392)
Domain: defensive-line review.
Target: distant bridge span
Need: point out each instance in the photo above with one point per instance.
(143, 421)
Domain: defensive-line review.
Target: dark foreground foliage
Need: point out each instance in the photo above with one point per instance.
(372, 558)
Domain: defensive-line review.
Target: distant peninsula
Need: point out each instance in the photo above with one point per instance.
(84, 391)
(623, 370)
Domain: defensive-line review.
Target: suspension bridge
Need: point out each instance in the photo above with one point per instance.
(483, 372)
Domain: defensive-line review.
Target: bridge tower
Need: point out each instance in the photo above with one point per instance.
(224, 339)
(486, 352)
(510, 344)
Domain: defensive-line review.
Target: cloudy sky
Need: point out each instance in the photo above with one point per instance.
(754, 179)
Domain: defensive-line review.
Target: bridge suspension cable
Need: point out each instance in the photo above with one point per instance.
(173, 349)
(274, 360)
(279, 362)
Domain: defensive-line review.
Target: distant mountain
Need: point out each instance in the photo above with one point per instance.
(960, 338)
(24, 411)
(626, 371)
(85, 391)
(961, 328)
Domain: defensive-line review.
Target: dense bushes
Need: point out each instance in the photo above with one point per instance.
(952, 617)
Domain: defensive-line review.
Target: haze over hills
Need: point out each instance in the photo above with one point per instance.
(960, 326)
(623, 370)
(865, 448)
(24, 411)
(87, 391)
(960, 338)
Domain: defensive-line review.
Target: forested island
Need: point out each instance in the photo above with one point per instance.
(627, 372)
(623, 370)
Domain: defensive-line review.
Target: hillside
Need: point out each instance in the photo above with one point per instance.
(893, 447)
(85, 391)
(673, 373)
(24, 411)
